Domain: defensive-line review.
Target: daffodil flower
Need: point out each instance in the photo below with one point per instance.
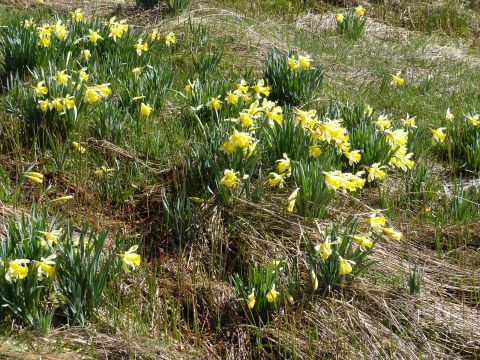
(353, 156)
(325, 248)
(448, 115)
(376, 222)
(397, 80)
(170, 39)
(474, 120)
(345, 266)
(360, 11)
(85, 54)
(260, 88)
(314, 280)
(314, 150)
(438, 134)
(93, 36)
(284, 165)
(383, 122)
(272, 295)
(61, 78)
(339, 18)
(305, 62)
(251, 300)
(408, 122)
(229, 178)
(140, 47)
(363, 240)
(145, 110)
(17, 270)
(293, 64)
(103, 171)
(292, 199)
(63, 198)
(34, 176)
(138, 70)
(46, 267)
(375, 172)
(215, 103)
(76, 15)
(392, 233)
(130, 259)
(40, 90)
(51, 236)
(277, 180)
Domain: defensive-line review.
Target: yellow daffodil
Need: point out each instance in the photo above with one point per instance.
(246, 120)
(57, 104)
(392, 233)
(229, 178)
(40, 90)
(339, 18)
(401, 159)
(51, 236)
(61, 78)
(68, 102)
(241, 139)
(93, 36)
(292, 199)
(305, 62)
(397, 80)
(215, 103)
(140, 47)
(375, 172)
(276, 180)
(34, 176)
(289, 298)
(85, 54)
(82, 74)
(439, 134)
(314, 280)
(359, 11)
(325, 248)
(448, 115)
(363, 240)
(368, 110)
(376, 222)
(251, 300)
(170, 39)
(284, 165)
(44, 105)
(46, 267)
(232, 98)
(272, 295)
(383, 122)
(474, 120)
(353, 156)
(145, 110)
(314, 150)
(154, 35)
(44, 41)
(260, 88)
(60, 31)
(63, 198)
(130, 259)
(397, 137)
(92, 94)
(77, 15)
(78, 147)
(409, 122)
(104, 89)
(29, 23)
(17, 270)
(117, 28)
(345, 266)
(103, 171)
(293, 64)
(242, 86)
(138, 70)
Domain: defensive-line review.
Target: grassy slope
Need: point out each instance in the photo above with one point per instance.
(179, 305)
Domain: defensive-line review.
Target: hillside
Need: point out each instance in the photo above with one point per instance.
(192, 179)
